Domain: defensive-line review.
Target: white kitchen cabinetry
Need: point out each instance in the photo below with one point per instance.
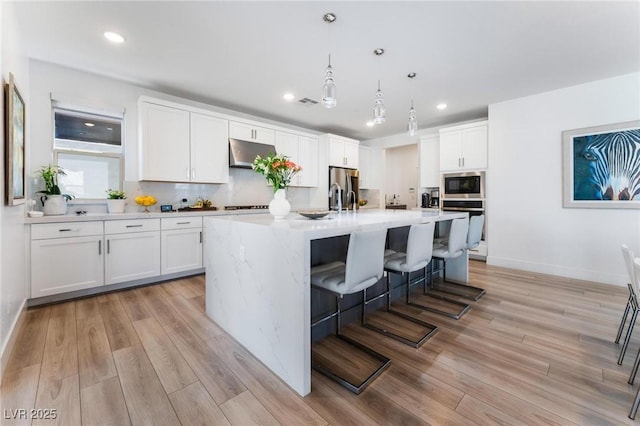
(343, 152)
(249, 132)
(429, 162)
(181, 244)
(132, 249)
(302, 150)
(66, 257)
(464, 147)
(370, 167)
(181, 144)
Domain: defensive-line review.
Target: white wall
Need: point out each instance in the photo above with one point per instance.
(527, 226)
(13, 281)
(401, 174)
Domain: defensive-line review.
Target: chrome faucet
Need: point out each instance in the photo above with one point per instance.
(339, 203)
(352, 198)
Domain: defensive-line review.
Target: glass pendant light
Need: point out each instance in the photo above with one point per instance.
(379, 111)
(412, 124)
(329, 92)
(329, 99)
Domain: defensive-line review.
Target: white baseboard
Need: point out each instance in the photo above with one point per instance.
(11, 341)
(562, 271)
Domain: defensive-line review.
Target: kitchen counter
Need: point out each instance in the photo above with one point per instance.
(257, 279)
(136, 215)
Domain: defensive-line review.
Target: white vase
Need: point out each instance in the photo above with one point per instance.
(115, 206)
(279, 207)
(54, 205)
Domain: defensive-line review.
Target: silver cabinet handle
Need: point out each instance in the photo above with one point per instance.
(183, 223)
(99, 246)
(186, 172)
(65, 230)
(193, 173)
(134, 226)
(200, 237)
(108, 246)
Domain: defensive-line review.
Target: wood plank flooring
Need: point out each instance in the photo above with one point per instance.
(536, 349)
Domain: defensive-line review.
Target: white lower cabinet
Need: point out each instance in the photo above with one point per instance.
(132, 250)
(66, 257)
(181, 244)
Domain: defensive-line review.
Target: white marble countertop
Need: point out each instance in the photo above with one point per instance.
(345, 222)
(139, 215)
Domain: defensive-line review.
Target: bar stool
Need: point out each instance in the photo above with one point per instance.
(455, 247)
(417, 257)
(636, 364)
(363, 268)
(632, 302)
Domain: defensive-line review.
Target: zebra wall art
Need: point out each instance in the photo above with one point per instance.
(605, 166)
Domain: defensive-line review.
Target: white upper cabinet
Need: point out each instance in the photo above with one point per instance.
(249, 132)
(464, 147)
(179, 144)
(302, 150)
(343, 152)
(429, 162)
(370, 167)
(209, 149)
(165, 141)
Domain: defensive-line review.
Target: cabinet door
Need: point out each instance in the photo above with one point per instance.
(364, 161)
(336, 153)
(209, 149)
(132, 256)
(287, 145)
(474, 147)
(251, 133)
(308, 160)
(429, 162)
(59, 265)
(181, 250)
(450, 155)
(165, 143)
(351, 154)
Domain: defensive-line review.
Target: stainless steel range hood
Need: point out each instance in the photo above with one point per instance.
(242, 153)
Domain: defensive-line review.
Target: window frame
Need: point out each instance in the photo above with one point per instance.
(89, 112)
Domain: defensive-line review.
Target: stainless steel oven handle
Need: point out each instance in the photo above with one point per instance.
(463, 209)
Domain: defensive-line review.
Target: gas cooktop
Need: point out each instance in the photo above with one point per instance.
(247, 207)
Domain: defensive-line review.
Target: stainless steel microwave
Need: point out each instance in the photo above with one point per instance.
(463, 185)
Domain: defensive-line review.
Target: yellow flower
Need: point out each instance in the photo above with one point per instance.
(146, 200)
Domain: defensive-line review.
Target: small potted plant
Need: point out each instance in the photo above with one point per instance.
(53, 200)
(115, 200)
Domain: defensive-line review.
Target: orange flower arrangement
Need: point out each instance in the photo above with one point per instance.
(278, 169)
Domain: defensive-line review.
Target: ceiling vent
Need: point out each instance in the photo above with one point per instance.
(307, 101)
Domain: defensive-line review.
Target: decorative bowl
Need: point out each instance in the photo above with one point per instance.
(314, 214)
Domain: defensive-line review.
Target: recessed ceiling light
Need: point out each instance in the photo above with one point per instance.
(441, 106)
(370, 123)
(114, 37)
(89, 124)
(288, 96)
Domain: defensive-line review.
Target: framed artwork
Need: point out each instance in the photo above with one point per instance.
(15, 144)
(602, 166)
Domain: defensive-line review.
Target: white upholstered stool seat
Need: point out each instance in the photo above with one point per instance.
(463, 235)
(362, 269)
(416, 258)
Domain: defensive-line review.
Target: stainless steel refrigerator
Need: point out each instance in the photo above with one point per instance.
(343, 188)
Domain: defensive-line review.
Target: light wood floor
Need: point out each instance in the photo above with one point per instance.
(535, 350)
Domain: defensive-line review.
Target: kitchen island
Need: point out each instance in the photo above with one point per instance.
(257, 279)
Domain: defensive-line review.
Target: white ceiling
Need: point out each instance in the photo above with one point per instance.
(246, 55)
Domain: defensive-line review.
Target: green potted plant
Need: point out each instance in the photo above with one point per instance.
(53, 200)
(115, 200)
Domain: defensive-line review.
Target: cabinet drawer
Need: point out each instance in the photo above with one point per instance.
(65, 230)
(134, 225)
(181, 222)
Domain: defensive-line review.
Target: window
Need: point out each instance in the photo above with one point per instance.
(89, 148)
